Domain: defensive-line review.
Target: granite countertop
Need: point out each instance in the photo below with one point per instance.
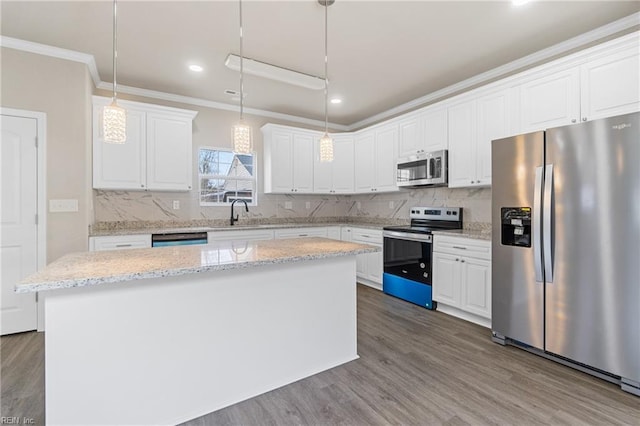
(133, 230)
(104, 267)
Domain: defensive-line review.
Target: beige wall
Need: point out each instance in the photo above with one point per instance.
(61, 89)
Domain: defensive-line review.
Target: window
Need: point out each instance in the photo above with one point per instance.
(225, 176)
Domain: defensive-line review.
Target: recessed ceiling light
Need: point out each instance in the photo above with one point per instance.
(336, 101)
(519, 2)
(196, 68)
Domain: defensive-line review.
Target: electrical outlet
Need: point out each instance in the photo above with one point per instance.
(391, 205)
(61, 206)
(308, 205)
(288, 205)
(176, 204)
(358, 205)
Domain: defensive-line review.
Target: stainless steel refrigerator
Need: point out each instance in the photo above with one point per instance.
(566, 245)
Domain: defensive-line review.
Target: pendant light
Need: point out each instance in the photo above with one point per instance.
(326, 143)
(242, 137)
(114, 118)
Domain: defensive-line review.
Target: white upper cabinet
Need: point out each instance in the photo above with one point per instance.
(473, 124)
(550, 101)
(157, 154)
(288, 160)
(495, 121)
(169, 152)
(364, 150)
(120, 166)
(385, 158)
(337, 176)
(611, 85)
(424, 131)
(411, 135)
(462, 143)
(375, 159)
(436, 129)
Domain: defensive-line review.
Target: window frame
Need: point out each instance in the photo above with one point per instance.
(253, 154)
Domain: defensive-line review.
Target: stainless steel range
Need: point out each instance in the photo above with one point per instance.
(407, 253)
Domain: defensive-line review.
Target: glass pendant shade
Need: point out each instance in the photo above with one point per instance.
(326, 149)
(114, 122)
(242, 138)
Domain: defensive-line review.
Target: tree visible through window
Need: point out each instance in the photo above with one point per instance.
(225, 176)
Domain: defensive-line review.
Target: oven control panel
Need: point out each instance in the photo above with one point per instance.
(436, 213)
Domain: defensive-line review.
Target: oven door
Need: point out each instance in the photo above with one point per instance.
(408, 256)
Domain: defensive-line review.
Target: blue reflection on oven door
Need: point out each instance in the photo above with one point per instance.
(408, 290)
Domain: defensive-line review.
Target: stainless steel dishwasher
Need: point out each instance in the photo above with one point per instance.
(178, 239)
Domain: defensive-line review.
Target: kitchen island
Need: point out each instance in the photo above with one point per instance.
(164, 335)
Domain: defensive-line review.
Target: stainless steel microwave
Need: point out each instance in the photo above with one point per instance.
(426, 169)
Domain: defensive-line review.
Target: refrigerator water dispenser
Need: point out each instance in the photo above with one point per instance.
(516, 226)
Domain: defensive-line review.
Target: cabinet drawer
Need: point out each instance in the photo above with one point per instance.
(241, 235)
(119, 242)
(478, 249)
(301, 232)
(366, 236)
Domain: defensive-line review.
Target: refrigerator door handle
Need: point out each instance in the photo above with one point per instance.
(546, 223)
(536, 231)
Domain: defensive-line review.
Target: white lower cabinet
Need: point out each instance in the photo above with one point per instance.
(462, 278)
(369, 266)
(119, 242)
(334, 232)
(301, 232)
(240, 235)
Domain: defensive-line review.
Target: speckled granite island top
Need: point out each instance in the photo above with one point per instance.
(104, 267)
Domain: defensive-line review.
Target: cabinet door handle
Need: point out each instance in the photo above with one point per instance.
(573, 121)
(462, 261)
(584, 118)
(472, 182)
(123, 245)
(303, 235)
(142, 186)
(459, 248)
(457, 260)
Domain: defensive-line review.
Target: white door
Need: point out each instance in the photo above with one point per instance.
(19, 250)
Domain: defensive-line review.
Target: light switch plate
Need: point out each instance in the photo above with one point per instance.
(288, 205)
(176, 204)
(308, 205)
(63, 206)
(358, 205)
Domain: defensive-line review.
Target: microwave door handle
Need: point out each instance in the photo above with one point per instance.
(429, 170)
(537, 214)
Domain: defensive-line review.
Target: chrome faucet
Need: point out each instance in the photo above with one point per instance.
(235, 219)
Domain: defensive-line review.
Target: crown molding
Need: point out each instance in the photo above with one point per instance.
(517, 65)
(54, 52)
(89, 61)
(153, 94)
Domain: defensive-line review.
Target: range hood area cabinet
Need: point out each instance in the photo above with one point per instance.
(157, 155)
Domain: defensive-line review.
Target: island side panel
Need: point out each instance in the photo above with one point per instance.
(166, 350)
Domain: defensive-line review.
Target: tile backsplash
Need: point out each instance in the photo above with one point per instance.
(119, 206)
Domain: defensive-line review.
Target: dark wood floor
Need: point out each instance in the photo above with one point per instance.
(416, 367)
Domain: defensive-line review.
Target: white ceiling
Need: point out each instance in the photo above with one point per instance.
(381, 53)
